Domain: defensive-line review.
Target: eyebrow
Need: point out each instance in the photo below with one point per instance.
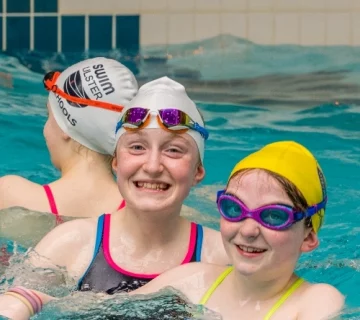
(263, 205)
(174, 135)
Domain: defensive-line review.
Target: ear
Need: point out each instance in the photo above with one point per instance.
(65, 136)
(199, 174)
(311, 241)
(114, 163)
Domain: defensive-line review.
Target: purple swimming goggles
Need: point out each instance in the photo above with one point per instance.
(170, 119)
(274, 216)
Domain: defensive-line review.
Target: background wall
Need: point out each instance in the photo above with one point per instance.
(79, 25)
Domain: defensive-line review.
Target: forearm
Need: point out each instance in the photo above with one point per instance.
(22, 306)
(13, 308)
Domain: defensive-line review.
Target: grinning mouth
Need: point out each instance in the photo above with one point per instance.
(159, 186)
(251, 249)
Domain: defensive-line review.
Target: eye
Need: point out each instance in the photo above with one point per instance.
(174, 151)
(230, 208)
(137, 147)
(275, 217)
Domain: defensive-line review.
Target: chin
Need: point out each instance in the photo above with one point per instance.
(151, 206)
(246, 269)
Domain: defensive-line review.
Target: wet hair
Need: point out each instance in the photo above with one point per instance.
(294, 194)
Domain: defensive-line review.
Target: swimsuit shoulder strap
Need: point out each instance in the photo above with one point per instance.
(51, 199)
(214, 286)
(284, 297)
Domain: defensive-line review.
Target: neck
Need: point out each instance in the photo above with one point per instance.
(86, 166)
(150, 230)
(251, 289)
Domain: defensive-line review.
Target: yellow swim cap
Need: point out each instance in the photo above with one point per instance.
(294, 162)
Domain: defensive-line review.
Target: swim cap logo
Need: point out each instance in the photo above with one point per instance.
(73, 86)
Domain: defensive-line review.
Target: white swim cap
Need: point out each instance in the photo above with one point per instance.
(98, 79)
(165, 93)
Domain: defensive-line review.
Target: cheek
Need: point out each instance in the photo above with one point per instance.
(126, 165)
(279, 239)
(284, 243)
(47, 131)
(228, 230)
(182, 169)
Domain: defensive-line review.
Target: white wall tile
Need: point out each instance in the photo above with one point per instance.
(234, 5)
(288, 5)
(313, 29)
(313, 5)
(338, 30)
(70, 7)
(181, 28)
(355, 27)
(355, 5)
(121, 6)
(153, 29)
(99, 7)
(234, 24)
(181, 6)
(207, 6)
(154, 6)
(261, 5)
(287, 28)
(206, 26)
(338, 5)
(261, 28)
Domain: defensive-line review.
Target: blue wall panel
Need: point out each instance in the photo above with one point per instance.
(45, 5)
(18, 33)
(100, 30)
(1, 31)
(22, 6)
(45, 38)
(128, 33)
(73, 33)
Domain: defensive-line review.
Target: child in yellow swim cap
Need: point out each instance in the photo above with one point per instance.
(271, 211)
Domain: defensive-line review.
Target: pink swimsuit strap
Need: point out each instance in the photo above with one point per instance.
(122, 204)
(52, 203)
(51, 200)
(111, 262)
(53, 207)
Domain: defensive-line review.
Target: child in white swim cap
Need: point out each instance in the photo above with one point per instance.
(84, 104)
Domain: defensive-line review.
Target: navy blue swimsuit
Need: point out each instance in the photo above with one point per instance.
(104, 275)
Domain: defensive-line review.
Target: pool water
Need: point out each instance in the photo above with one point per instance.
(250, 95)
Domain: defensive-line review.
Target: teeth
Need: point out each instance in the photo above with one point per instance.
(153, 186)
(251, 249)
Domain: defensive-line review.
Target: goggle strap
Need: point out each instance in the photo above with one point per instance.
(218, 194)
(51, 86)
(314, 209)
(118, 126)
(299, 216)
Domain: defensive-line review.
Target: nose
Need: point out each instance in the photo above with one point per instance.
(249, 228)
(153, 164)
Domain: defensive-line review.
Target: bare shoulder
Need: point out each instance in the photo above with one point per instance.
(10, 187)
(67, 243)
(11, 181)
(71, 233)
(329, 302)
(213, 250)
(192, 279)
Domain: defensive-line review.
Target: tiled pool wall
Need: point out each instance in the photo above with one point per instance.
(81, 25)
